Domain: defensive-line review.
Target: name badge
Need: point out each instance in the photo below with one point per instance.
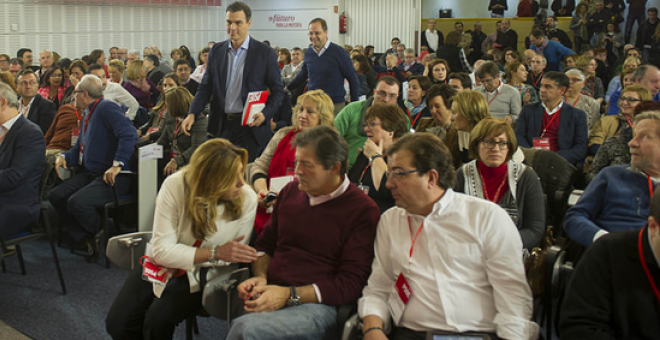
(150, 271)
(152, 130)
(75, 133)
(542, 143)
(364, 188)
(399, 297)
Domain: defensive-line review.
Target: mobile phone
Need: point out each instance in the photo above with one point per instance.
(270, 197)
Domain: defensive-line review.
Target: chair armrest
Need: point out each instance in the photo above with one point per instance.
(125, 250)
(220, 297)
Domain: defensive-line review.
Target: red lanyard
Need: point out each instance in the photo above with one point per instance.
(650, 185)
(364, 172)
(89, 115)
(646, 268)
(176, 132)
(628, 119)
(495, 96)
(412, 122)
(499, 189)
(534, 83)
(520, 88)
(576, 100)
(545, 128)
(3, 137)
(592, 87)
(412, 246)
(79, 117)
(160, 116)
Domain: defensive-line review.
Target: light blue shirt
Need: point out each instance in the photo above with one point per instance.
(234, 82)
(320, 53)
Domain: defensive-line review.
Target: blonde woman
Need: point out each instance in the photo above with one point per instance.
(203, 221)
(593, 86)
(314, 108)
(468, 109)
(139, 86)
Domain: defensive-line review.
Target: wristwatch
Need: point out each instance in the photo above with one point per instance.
(374, 156)
(294, 300)
(117, 164)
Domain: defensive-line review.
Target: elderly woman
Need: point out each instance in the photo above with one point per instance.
(384, 124)
(593, 86)
(277, 160)
(138, 85)
(615, 150)
(181, 145)
(53, 86)
(116, 70)
(415, 106)
(516, 75)
(203, 57)
(631, 63)
(494, 176)
(574, 97)
(613, 125)
(468, 109)
(202, 225)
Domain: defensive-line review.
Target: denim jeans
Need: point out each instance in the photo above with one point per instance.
(630, 22)
(311, 321)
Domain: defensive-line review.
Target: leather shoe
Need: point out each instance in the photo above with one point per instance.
(94, 247)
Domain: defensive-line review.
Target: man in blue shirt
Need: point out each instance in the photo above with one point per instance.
(326, 66)
(105, 144)
(550, 49)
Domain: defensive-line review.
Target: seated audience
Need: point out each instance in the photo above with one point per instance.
(510, 56)
(53, 85)
(645, 75)
(384, 124)
(615, 150)
(321, 213)
(138, 85)
(631, 63)
(468, 109)
(551, 125)
(15, 66)
(503, 100)
(415, 106)
(152, 129)
(574, 97)
(494, 176)
(515, 75)
(8, 78)
(613, 292)
(365, 73)
(284, 58)
(104, 147)
(31, 105)
(618, 198)
(77, 70)
(439, 99)
(593, 86)
(291, 70)
(536, 72)
(98, 57)
(390, 69)
(460, 81)
(350, 120)
(202, 225)
(409, 66)
(185, 54)
(151, 64)
(181, 146)
(22, 150)
(469, 251)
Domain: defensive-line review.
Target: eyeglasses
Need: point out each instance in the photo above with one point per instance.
(629, 100)
(399, 174)
(3, 60)
(384, 94)
(24, 83)
(77, 91)
(490, 144)
(56, 75)
(371, 125)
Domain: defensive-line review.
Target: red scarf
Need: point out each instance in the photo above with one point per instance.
(493, 179)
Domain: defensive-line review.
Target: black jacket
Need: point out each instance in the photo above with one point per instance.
(42, 112)
(569, 8)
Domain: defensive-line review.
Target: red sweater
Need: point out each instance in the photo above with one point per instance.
(330, 244)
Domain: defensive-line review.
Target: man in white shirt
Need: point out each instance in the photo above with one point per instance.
(432, 38)
(291, 70)
(503, 100)
(115, 92)
(446, 263)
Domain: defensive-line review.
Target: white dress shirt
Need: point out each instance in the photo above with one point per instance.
(432, 38)
(118, 94)
(467, 271)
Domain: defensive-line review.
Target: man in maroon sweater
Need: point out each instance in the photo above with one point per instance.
(318, 247)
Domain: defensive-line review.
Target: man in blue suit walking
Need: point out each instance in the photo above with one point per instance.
(236, 67)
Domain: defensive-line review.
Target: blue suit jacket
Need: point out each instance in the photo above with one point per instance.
(573, 131)
(260, 73)
(42, 112)
(22, 162)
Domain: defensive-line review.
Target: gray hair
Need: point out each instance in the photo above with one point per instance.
(329, 147)
(47, 51)
(575, 72)
(92, 85)
(409, 50)
(136, 52)
(640, 72)
(7, 93)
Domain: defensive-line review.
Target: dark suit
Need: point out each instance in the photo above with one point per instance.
(155, 75)
(192, 86)
(572, 136)
(425, 41)
(260, 72)
(22, 161)
(416, 69)
(569, 8)
(42, 112)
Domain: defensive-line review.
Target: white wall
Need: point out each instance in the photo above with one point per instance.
(479, 8)
(75, 30)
